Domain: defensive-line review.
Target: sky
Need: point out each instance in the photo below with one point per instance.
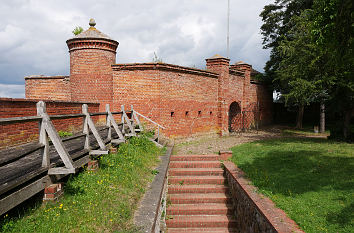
(33, 33)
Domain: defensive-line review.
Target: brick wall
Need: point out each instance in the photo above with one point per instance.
(254, 212)
(90, 70)
(12, 134)
(48, 87)
(182, 99)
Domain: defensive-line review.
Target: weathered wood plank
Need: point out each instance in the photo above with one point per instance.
(60, 171)
(23, 194)
(19, 119)
(98, 152)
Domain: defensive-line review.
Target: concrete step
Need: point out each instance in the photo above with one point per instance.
(213, 171)
(200, 221)
(203, 230)
(195, 164)
(194, 158)
(200, 209)
(202, 188)
(186, 180)
(195, 198)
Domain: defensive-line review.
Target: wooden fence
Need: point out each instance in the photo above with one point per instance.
(28, 169)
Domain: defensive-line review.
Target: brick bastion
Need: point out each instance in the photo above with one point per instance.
(187, 101)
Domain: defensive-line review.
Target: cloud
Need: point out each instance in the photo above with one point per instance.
(182, 32)
(12, 91)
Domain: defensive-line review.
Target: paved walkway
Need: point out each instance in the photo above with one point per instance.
(198, 199)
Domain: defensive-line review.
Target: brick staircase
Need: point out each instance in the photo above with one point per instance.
(198, 196)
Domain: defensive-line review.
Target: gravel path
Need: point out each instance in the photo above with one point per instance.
(212, 144)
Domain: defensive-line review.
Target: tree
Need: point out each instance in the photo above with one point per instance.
(77, 30)
(277, 23)
(332, 29)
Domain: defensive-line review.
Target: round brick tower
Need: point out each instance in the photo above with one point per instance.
(91, 55)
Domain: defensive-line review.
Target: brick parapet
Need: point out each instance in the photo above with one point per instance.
(163, 66)
(254, 212)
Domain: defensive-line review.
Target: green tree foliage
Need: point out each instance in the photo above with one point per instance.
(276, 26)
(332, 29)
(300, 70)
(311, 57)
(77, 30)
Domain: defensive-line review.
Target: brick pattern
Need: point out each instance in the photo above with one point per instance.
(12, 134)
(48, 87)
(198, 195)
(254, 212)
(187, 101)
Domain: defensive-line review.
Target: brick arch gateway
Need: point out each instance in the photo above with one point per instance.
(235, 117)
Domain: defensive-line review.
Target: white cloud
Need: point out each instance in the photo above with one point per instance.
(183, 32)
(12, 91)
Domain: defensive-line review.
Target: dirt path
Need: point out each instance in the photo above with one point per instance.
(212, 144)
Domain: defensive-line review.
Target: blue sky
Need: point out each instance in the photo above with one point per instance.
(182, 32)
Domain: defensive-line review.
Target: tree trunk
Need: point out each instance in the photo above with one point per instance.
(300, 115)
(347, 116)
(322, 117)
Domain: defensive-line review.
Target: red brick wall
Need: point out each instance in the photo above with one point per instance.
(90, 70)
(12, 134)
(48, 87)
(165, 92)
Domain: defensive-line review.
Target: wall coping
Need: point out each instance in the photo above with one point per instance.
(163, 66)
(47, 77)
(46, 101)
(237, 72)
(275, 216)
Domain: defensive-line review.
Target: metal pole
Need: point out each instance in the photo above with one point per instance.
(228, 28)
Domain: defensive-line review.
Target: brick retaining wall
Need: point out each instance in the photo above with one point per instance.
(254, 212)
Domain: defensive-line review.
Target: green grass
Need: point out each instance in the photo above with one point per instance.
(102, 201)
(312, 180)
(64, 134)
(306, 131)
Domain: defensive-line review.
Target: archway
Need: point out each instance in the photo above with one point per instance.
(235, 117)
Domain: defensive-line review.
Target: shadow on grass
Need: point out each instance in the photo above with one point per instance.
(342, 217)
(291, 166)
(300, 170)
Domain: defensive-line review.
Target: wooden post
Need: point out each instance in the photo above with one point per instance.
(49, 129)
(86, 130)
(43, 136)
(126, 118)
(136, 118)
(122, 119)
(91, 126)
(132, 117)
(108, 123)
(111, 120)
(158, 134)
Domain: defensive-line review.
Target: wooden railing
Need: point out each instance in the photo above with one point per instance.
(60, 156)
(156, 124)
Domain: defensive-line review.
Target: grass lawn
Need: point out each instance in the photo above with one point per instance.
(312, 180)
(102, 201)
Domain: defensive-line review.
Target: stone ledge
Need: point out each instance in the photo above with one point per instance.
(255, 212)
(47, 77)
(47, 101)
(148, 213)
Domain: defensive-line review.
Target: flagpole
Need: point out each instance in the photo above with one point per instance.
(228, 29)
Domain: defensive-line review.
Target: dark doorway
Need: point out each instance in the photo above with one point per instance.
(235, 117)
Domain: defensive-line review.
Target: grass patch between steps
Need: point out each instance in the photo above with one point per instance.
(312, 180)
(102, 201)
